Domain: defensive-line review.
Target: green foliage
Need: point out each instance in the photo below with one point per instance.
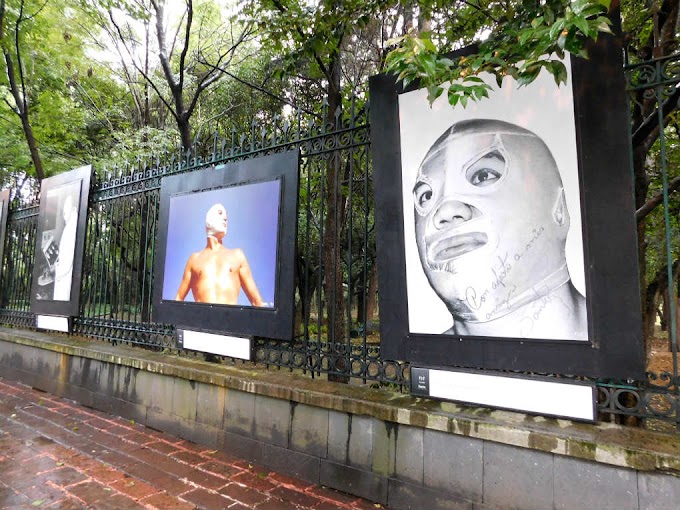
(637, 22)
(51, 56)
(308, 38)
(138, 146)
(655, 229)
(521, 39)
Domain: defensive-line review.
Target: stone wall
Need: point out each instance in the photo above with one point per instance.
(388, 447)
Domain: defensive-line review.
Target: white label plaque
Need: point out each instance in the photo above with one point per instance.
(53, 322)
(563, 399)
(222, 345)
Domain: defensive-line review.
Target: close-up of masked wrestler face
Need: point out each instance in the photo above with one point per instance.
(216, 221)
(490, 219)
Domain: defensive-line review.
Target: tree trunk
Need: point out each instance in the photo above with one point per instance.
(677, 324)
(641, 181)
(146, 112)
(335, 205)
(304, 277)
(19, 93)
(366, 297)
(360, 293)
(372, 294)
(184, 132)
(176, 86)
(32, 145)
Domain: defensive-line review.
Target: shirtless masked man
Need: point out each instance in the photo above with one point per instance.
(216, 274)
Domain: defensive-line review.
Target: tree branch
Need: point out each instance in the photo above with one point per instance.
(301, 33)
(217, 69)
(139, 69)
(24, 102)
(265, 91)
(30, 17)
(162, 47)
(483, 11)
(185, 49)
(657, 199)
(651, 122)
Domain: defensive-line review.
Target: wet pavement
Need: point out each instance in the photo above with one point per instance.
(57, 454)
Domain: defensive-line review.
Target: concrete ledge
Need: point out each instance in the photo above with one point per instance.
(603, 443)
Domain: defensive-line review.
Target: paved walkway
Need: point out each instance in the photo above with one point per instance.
(57, 454)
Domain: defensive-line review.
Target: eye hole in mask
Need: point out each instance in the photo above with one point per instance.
(487, 170)
(423, 196)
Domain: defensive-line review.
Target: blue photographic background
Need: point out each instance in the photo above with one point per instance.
(253, 213)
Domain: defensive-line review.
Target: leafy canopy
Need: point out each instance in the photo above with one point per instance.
(515, 39)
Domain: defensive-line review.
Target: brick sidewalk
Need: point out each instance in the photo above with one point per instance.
(57, 454)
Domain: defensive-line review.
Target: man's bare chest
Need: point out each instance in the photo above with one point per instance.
(215, 267)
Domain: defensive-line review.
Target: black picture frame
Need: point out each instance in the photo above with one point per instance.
(272, 321)
(614, 345)
(4, 212)
(52, 230)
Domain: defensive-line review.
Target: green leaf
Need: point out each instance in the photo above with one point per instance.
(407, 80)
(562, 40)
(453, 98)
(536, 22)
(558, 70)
(433, 92)
(474, 79)
(549, 15)
(582, 25)
(604, 26)
(526, 35)
(429, 45)
(528, 76)
(556, 29)
(427, 62)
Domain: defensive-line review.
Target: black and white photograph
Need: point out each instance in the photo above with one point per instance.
(493, 243)
(60, 242)
(57, 242)
(492, 217)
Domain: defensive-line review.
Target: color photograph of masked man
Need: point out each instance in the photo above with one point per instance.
(222, 246)
(492, 221)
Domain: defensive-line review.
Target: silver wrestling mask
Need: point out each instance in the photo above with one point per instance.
(491, 219)
(216, 221)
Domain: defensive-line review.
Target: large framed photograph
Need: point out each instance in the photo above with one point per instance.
(497, 224)
(60, 242)
(4, 213)
(226, 251)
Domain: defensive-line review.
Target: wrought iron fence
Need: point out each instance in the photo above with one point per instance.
(654, 91)
(116, 292)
